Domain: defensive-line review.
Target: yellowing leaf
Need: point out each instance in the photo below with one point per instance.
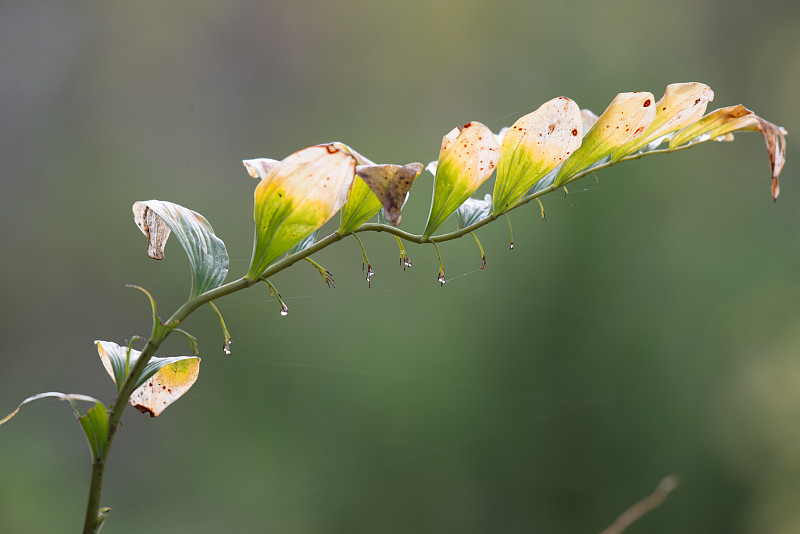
(720, 125)
(166, 386)
(296, 197)
(626, 118)
(533, 146)
(467, 158)
(390, 184)
(161, 383)
(681, 105)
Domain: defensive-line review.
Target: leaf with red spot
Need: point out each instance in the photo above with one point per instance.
(533, 146)
(720, 124)
(681, 105)
(163, 381)
(467, 158)
(626, 118)
(296, 197)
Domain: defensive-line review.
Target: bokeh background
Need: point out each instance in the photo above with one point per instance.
(650, 326)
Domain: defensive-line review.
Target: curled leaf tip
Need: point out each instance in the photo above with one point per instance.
(207, 254)
(259, 167)
(154, 229)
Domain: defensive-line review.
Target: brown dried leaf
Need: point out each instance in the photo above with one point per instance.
(391, 184)
(720, 125)
(153, 227)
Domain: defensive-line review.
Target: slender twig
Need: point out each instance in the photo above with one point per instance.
(652, 501)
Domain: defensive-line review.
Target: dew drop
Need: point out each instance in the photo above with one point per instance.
(370, 274)
(284, 310)
(226, 347)
(511, 246)
(442, 280)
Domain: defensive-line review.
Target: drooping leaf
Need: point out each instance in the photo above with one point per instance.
(207, 254)
(390, 184)
(720, 125)
(385, 184)
(95, 427)
(260, 167)
(466, 159)
(473, 210)
(536, 144)
(94, 423)
(626, 118)
(172, 375)
(69, 397)
(296, 197)
(681, 105)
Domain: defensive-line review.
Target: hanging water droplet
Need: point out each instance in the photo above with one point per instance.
(511, 246)
(370, 274)
(226, 346)
(284, 310)
(483, 262)
(442, 280)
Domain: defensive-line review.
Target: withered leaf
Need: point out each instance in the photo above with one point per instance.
(720, 125)
(154, 229)
(207, 254)
(391, 184)
(166, 386)
(161, 383)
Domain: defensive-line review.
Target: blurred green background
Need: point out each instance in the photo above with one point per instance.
(650, 326)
